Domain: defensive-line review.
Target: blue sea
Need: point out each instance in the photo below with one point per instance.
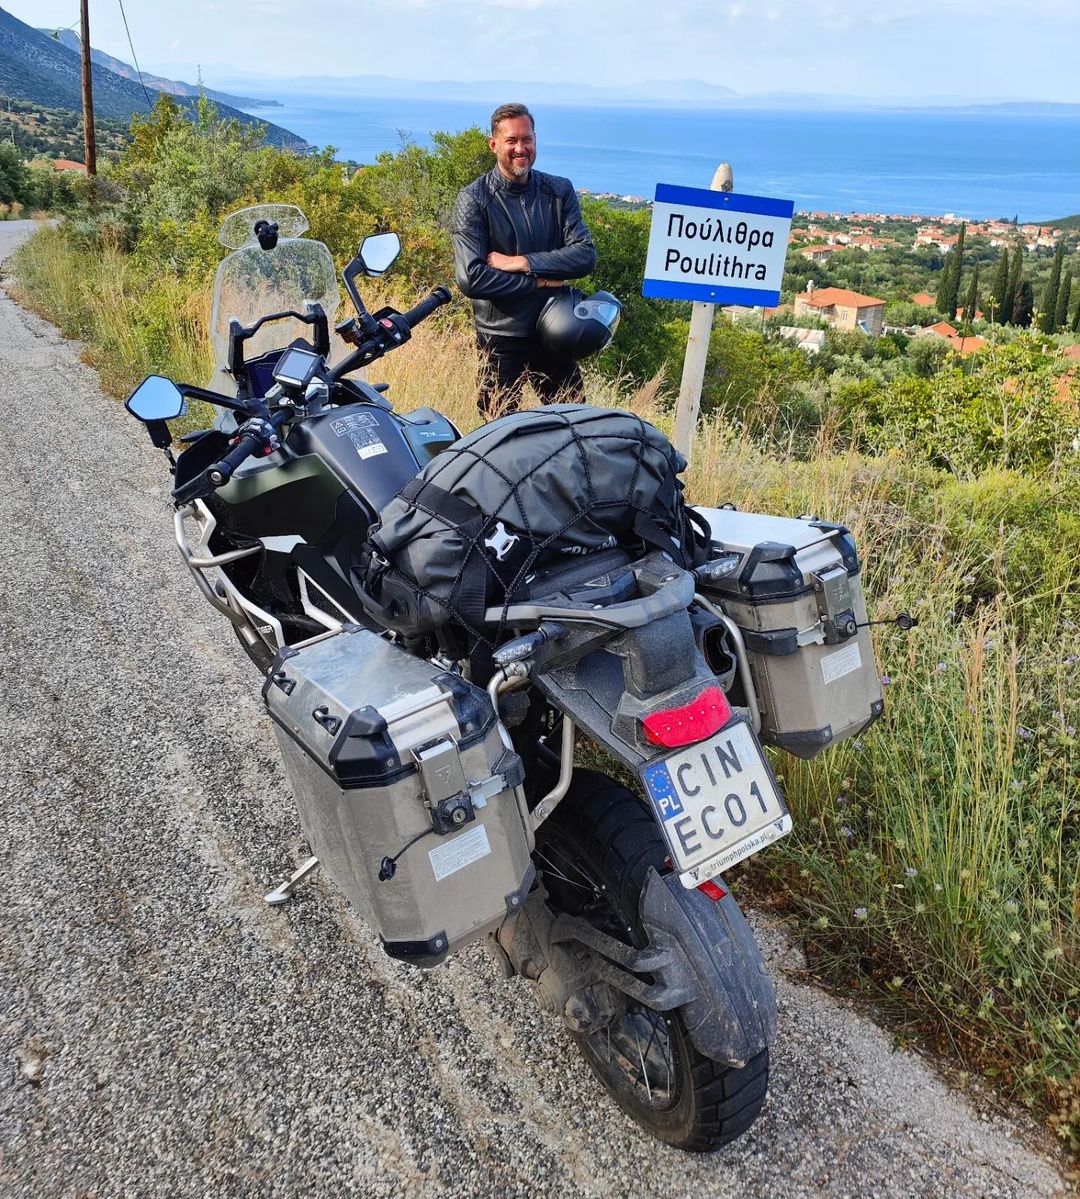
(976, 164)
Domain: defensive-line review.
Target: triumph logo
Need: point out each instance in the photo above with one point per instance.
(609, 543)
(501, 542)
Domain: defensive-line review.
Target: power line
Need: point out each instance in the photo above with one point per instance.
(149, 102)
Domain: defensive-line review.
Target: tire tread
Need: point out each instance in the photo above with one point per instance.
(619, 834)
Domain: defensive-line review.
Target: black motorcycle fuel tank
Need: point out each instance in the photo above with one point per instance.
(372, 450)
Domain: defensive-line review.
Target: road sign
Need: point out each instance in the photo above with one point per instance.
(717, 247)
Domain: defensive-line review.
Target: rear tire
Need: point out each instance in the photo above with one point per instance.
(594, 853)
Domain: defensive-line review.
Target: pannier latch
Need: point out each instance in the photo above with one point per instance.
(832, 589)
(443, 779)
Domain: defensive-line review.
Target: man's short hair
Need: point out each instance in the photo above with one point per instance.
(507, 112)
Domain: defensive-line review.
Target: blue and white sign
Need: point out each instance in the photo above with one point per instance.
(717, 247)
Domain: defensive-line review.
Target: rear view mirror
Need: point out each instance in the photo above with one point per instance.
(156, 398)
(378, 253)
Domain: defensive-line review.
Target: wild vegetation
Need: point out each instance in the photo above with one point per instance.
(40, 132)
(934, 861)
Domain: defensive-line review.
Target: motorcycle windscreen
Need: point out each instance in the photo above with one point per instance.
(252, 283)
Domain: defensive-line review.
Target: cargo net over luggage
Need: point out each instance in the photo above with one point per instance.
(493, 517)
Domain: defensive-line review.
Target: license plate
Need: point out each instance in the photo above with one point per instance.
(717, 803)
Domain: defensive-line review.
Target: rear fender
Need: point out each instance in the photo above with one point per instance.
(732, 1015)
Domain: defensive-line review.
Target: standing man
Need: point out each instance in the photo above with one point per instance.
(518, 234)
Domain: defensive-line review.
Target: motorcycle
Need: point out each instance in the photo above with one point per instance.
(445, 799)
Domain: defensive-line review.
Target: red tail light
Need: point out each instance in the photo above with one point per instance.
(693, 722)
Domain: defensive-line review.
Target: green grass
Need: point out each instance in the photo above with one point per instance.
(934, 860)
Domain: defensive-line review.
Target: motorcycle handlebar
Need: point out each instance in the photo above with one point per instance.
(221, 472)
(392, 331)
(438, 297)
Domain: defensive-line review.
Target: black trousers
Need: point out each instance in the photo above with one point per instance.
(507, 363)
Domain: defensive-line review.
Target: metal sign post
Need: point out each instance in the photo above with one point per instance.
(713, 247)
(697, 347)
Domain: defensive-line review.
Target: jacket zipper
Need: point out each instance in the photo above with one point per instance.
(525, 214)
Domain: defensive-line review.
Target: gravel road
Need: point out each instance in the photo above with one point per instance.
(164, 1033)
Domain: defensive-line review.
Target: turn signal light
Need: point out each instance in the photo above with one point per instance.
(694, 722)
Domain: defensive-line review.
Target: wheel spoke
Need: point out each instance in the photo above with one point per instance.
(553, 871)
(644, 1068)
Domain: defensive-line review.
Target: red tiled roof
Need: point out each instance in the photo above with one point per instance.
(68, 164)
(827, 297)
(1072, 352)
(967, 345)
(942, 329)
(923, 298)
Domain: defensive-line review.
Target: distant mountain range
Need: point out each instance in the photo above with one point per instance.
(37, 67)
(174, 87)
(657, 93)
(654, 92)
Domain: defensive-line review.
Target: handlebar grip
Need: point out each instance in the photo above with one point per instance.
(438, 297)
(221, 472)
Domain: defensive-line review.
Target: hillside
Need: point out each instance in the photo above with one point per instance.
(174, 87)
(40, 132)
(36, 67)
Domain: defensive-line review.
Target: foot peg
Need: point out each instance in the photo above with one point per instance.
(284, 893)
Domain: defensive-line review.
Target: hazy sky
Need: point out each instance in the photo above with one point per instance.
(974, 49)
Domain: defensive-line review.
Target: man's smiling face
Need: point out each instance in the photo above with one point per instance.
(514, 145)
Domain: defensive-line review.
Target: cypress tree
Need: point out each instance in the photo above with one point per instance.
(1061, 309)
(1024, 306)
(1016, 274)
(941, 300)
(972, 301)
(1049, 300)
(1000, 284)
(1076, 318)
(954, 293)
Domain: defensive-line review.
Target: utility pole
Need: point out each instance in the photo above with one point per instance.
(89, 144)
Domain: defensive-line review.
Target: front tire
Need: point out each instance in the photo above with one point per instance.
(594, 853)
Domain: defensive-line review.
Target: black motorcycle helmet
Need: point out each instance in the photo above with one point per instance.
(574, 326)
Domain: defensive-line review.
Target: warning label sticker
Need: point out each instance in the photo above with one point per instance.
(843, 662)
(362, 429)
(452, 856)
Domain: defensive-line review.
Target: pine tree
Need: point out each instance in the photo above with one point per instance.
(1000, 284)
(972, 301)
(1048, 307)
(1016, 275)
(1024, 306)
(1061, 310)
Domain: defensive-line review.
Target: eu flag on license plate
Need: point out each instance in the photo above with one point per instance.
(658, 781)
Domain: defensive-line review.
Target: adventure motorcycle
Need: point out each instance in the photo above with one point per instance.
(441, 793)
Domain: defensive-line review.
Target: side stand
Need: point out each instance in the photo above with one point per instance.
(284, 893)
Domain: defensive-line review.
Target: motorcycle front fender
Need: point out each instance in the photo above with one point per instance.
(732, 1015)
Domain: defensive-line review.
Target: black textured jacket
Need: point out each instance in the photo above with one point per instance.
(541, 219)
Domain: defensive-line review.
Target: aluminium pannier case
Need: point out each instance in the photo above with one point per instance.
(797, 598)
(390, 757)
